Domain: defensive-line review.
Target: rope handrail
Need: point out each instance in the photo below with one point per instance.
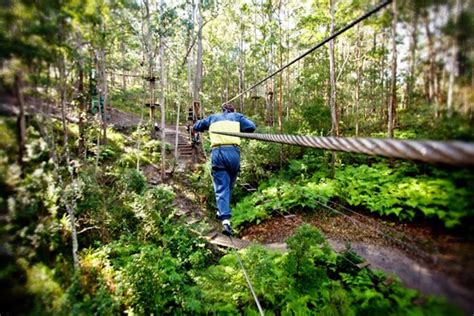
(326, 40)
(456, 153)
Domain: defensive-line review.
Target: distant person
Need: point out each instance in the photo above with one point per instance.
(225, 156)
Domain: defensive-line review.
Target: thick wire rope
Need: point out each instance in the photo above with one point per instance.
(247, 278)
(456, 153)
(326, 40)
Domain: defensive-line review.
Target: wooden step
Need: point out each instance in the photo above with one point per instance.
(222, 240)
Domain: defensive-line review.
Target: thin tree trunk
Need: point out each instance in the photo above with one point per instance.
(332, 79)
(241, 64)
(81, 99)
(198, 75)
(106, 95)
(288, 82)
(150, 55)
(412, 63)
(392, 107)
(162, 103)
(432, 85)
(454, 61)
(280, 88)
(373, 80)
(69, 208)
(359, 70)
(383, 103)
(270, 93)
(103, 91)
(124, 77)
(176, 140)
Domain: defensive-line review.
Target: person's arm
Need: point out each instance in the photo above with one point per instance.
(202, 125)
(246, 125)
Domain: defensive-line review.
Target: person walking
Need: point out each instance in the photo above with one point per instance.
(225, 156)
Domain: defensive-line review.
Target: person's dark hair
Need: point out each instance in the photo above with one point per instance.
(228, 108)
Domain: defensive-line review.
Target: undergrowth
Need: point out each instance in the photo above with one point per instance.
(405, 192)
(136, 258)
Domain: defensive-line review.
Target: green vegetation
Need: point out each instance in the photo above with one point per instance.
(309, 280)
(82, 230)
(135, 257)
(407, 192)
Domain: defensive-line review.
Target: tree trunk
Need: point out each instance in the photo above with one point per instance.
(198, 74)
(20, 122)
(270, 93)
(103, 90)
(332, 95)
(105, 94)
(280, 88)
(124, 77)
(383, 103)
(392, 107)
(176, 140)
(150, 55)
(62, 101)
(454, 60)
(373, 81)
(288, 82)
(332, 78)
(359, 70)
(410, 81)
(162, 102)
(241, 64)
(431, 66)
(81, 99)
(69, 208)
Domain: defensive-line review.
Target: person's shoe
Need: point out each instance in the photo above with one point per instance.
(226, 229)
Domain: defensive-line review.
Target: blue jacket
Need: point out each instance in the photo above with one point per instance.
(225, 122)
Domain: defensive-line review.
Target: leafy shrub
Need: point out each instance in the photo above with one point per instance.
(48, 294)
(129, 276)
(7, 135)
(389, 191)
(404, 192)
(282, 197)
(134, 181)
(310, 279)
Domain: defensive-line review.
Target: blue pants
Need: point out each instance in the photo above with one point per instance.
(225, 162)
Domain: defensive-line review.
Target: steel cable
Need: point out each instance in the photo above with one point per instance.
(326, 40)
(456, 153)
(247, 278)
